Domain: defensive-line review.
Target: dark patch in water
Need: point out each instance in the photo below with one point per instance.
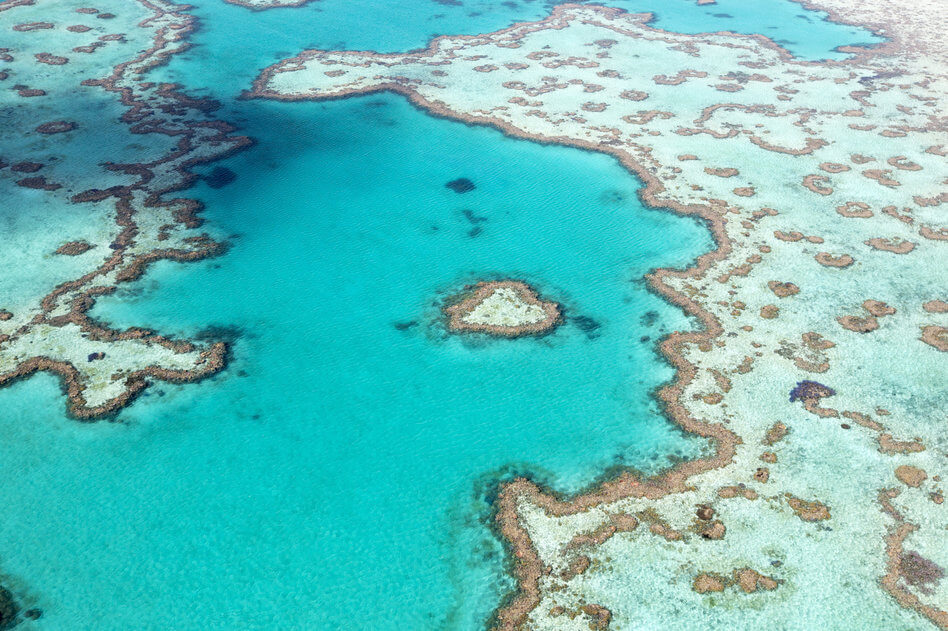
(509, 5)
(722, 15)
(449, 3)
(612, 197)
(8, 609)
(810, 391)
(404, 326)
(461, 185)
(588, 326)
(919, 572)
(376, 103)
(644, 338)
(649, 318)
(220, 177)
(471, 217)
(220, 333)
(475, 231)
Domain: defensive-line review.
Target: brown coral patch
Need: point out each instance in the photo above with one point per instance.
(32, 26)
(706, 582)
(633, 95)
(857, 324)
(878, 308)
(854, 209)
(769, 312)
(589, 106)
(50, 59)
(722, 171)
(935, 336)
(39, 182)
(26, 167)
(744, 191)
(600, 617)
(828, 260)
(910, 476)
(903, 163)
(817, 184)
(713, 531)
(73, 248)
(727, 492)
(56, 127)
(751, 581)
(888, 445)
(896, 246)
(935, 235)
(808, 510)
(882, 177)
(782, 290)
(936, 306)
(833, 167)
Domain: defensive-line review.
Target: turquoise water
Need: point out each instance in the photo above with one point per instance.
(339, 473)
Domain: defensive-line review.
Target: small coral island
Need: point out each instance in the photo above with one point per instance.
(504, 308)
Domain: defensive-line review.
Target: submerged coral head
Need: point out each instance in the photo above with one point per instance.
(810, 391)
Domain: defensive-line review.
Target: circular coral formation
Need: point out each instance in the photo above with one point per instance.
(896, 246)
(506, 308)
(769, 312)
(817, 184)
(833, 167)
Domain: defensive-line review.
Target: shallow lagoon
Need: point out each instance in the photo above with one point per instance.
(342, 466)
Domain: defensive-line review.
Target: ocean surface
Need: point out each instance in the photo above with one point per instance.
(339, 473)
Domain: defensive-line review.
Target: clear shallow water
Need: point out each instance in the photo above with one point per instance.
(338, 474)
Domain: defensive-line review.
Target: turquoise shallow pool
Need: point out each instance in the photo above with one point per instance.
(339, 473)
